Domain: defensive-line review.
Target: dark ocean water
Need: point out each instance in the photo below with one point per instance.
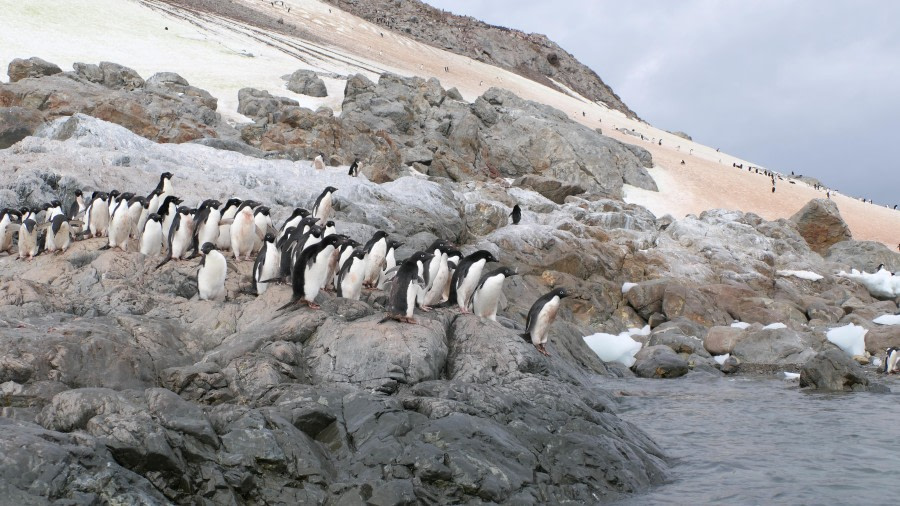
(741, 440)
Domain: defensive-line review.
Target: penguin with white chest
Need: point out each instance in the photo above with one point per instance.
(324, 205)
(308, 273)
(350, 277)
(151, 237)
(541, 316)
(243, 230)
(119, 225)
(206, 222)
(211, 274)
(9, 221)
(28, 239)
(97, 214)
(59, 234)
(376, 251)
(262, 218)
(180, 235)
(466, 277)
(390, 261)
(229, 210)
(406, 287)
(892, 360)
(487, 293)
(266, 267)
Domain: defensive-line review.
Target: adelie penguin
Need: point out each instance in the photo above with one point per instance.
(228, 212)
(243, 230)
(267, 264)
(405, 289)
(892, 360)
(466, 278)
(516, 214)
(9, 222)
(354, 168)
(59, 234)
(212, 272)
(28, 239)
(487, 294)
(541, 316)
(324, 205)
(350, 277)
(181, 235)
(376, 251)
(152, 236)
(319, 162)
(308, 274)
(206, 222)
(97, 214)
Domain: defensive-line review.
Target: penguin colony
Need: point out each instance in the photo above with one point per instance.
(306, 252)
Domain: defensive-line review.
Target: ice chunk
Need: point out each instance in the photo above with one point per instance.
(720, 359)
(791, 376)
(849, 338)
(614, 348)
(775, 326)
(888, 319)
(809, 275)
(628, 286)
(880, 284)
(740, 325)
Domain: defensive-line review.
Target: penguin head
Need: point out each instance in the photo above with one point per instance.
(879, 268)
(330, 189)
(393, 245)
(126, 196)
(270, 237)
(329, 223)
(113, 194)
(207, 247)
(485, 255)
(420, 256)
(154, 217)
(332, 240)
(299, 211)
(78, 193)
(56, 203)
(210, 203)
(263, 210)
(164, 176)
(506, 271)
(232, 203)
(381, 234)
(561, 292)
(45, 206)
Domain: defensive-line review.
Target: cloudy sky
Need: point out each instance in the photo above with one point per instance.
(807, 86)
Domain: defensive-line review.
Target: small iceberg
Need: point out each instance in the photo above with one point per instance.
(616, 348)
(808, 275)
(849, 338)
(888, 319)
(775, 326)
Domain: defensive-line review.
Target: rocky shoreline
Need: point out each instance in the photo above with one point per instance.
(116, 382)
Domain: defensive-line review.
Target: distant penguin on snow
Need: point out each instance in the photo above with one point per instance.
(212, 272)
(541, 316)
(319, 162)
(487, 294)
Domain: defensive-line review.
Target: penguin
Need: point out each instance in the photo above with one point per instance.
(296, 216)
(405, 288)
(137, 207)
(516, 214)
(292, 243)
(354, 168)
(97, 215)
(541, 316)
(434, 293)
(454, 257)
(167, 211)
(28, 239)
(350, 277)
(487, 293)
(263, 220)
(211, 274)
(376, 250)
(390, 261)
(180, 235)
(267, 264)
(54, 209)
(243, 230)
(319, 162)
(323, 206)
(59, 235)
(308, 273)
(119, 225)
(347, 247)
(151, 236)
(892, 360)
(466, 277)
(329, 229)
(153, 201)
(9, 218)
(164, 187)
(228, 213)
(333, 262)
(77, 207)
(206, 222)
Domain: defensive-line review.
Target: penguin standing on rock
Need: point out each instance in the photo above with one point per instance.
(350, 277)
(892, 360)
(180, 235)
(97, 214)
(267, 264)
(228, 213)
(9, 218)
(541, 316)
(324, 205)
(466, 277)
(354, 168)
(376, 252)
(243, 230)
(405, 289)
(308, 274)
(206, 222)
(212, 272)
(59, 235)
(28, 239)
(516, 214)
(151, 237)
(487, 294)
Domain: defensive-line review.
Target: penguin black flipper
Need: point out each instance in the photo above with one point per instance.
(258, 265)
(175, 222)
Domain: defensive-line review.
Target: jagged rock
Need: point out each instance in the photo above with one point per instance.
(863, 255)
(19, 69)
(172, 83)
(255, 103)
(642, 154)
(553, 189)
(306, 82)
(833, 370)
(659, 362)
(880, 338)
(16, 123)
(820, 223)
(120, 76)
(680, 343)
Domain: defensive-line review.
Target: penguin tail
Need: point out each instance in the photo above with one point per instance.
(104, 248)
(271, 280)
(292, 302)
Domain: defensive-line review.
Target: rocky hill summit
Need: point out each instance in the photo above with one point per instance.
(530, 55)
(118, 384)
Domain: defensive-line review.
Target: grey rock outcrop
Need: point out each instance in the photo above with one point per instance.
(820, 223)
(16, 123)
(306, 82)
(19, 68)
(863, 255)
(776, 347)
(659, 362)
(833, 370)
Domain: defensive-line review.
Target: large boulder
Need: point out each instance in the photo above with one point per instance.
(863, 255)
(553, 189)
(833, 370)
(721, 340)
(820, 223)
(777, 346)
(19, 69)
(659, 362)
(306, 82)
(16, 123)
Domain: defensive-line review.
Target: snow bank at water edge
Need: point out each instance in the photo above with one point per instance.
(849, 338)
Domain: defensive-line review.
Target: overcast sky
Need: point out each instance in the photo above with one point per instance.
(808, 86)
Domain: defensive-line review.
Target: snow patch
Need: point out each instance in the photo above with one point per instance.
(616, 348)
(808, 275)
(791, 376)
(888, 319)
(740, 325)
(849, 338)
(628, 286)
(720, 359)
(880, 284)
(775, 326)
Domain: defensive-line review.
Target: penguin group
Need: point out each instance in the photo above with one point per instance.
(306, 252)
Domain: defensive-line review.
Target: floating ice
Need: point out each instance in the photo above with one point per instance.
(775, 326)
(888, 319)
(791, 376)
(720, 359)
(628, 286)
(849, 338)
(614, 348)
(740, 325)
(808, 275)
(880, 284)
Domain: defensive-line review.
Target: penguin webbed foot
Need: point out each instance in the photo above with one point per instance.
(313, 305)
(425, 308)
(543, 351)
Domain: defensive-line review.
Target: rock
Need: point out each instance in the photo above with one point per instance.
(19, 69)
(255, 103)
(120, 76)
(833, 370)
(553, 189)
(679, 342)
(721, 340)
(820, 223)
(880, 338)
(88, 71)
(730, 366)
(16, 123)
(683, 135)
(642, 154)
(659, 362)
(306, 82)
(863, 255)
(776, 347)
